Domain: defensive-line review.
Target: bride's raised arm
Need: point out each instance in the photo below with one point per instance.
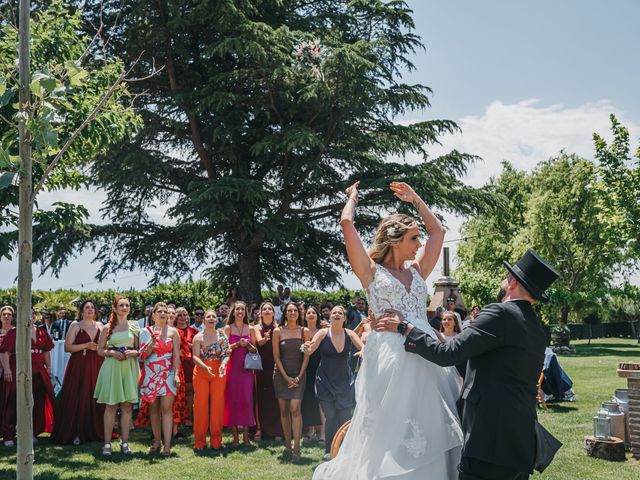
(428, 255)
(359, 259)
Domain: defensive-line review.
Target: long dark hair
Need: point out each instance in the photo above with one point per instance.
(284, 315)
(81, 308)
(318, 317)
(456, 327)
(231, 317)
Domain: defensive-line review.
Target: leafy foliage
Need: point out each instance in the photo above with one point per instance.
(247, 148)
(556, 210)
(187, 294)
(619, 181)
(68, 81)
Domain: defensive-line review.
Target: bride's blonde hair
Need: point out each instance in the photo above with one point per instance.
(390, 231)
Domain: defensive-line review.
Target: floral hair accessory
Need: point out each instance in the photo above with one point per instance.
(393, 231)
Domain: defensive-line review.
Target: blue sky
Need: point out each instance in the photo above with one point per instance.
(568, 52)
(522, 79)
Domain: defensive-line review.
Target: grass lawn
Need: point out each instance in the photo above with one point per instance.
(592, 369)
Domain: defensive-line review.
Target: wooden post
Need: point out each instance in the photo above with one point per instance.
(24, 397)
(612, 449)
(631, 371)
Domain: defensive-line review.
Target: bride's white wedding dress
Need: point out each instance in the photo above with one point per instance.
(405, 424)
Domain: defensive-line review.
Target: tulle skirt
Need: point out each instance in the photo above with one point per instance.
(405, 424)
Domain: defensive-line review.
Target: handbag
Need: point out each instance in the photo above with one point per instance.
(546, 447)
(252, 361)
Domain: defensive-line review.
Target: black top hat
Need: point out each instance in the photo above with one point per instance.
(534, 274)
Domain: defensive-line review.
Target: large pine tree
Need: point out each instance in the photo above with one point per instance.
(251, 135)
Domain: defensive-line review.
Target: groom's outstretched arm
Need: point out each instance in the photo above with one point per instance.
(484, 334)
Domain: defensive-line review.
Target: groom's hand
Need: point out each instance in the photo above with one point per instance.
(389, 321)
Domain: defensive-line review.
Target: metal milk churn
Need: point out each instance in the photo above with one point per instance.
(617, 419)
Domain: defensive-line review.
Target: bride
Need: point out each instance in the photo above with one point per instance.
(405, 424)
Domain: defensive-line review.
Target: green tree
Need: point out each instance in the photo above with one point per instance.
(489, 237)
(557, 210)
(70, 78)
(563, 223)
(265, 111)
(619, 175)
(39, 110)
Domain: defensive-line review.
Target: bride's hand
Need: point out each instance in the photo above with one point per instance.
(389, 321)
(403, 191)
(352, 191)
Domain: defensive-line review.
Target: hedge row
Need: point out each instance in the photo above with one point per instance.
(186, 294)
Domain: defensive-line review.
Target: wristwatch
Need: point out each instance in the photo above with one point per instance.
(402, 327)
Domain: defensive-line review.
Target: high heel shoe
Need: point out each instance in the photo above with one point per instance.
(154, 448)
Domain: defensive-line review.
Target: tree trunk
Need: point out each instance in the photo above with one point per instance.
(24, 400)
(564, 315)
(250, 273)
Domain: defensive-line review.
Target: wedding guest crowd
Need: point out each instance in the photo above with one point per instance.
(280, 371)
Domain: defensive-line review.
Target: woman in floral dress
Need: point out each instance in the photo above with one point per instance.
(160, 352)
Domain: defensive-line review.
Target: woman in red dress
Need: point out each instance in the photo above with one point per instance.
(79, 417)
(43, 396)
(187, 335)
(8, 317)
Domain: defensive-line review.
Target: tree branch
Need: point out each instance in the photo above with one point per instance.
(194, 122)
(79, 130)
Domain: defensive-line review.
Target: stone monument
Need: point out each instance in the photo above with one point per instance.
(445, 287)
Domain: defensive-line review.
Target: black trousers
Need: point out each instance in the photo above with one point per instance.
(474, 469)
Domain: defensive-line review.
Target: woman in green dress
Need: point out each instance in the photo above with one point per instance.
(117, 383)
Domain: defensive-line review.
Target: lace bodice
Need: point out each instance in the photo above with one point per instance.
(386, 291)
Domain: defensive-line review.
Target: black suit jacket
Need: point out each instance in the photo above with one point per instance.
(505, 350)
(61, 327)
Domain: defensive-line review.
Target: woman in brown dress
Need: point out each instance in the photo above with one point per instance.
(289, 377)
(268, 412)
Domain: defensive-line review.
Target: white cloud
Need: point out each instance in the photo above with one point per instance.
(524, 133)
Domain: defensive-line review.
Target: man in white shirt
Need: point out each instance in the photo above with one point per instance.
(198, 321)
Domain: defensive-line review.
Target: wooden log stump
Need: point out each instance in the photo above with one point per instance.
(612, 449)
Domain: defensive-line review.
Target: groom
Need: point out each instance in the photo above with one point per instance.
(505, 350)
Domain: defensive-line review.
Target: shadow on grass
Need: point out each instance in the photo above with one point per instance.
(608, 350)
(560, 408)
(56, 476)
(285, 457)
